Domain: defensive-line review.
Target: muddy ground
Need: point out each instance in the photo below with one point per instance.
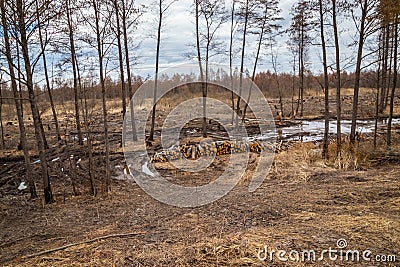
(305, 203)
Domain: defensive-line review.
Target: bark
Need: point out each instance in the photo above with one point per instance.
(246, 19)
(128, 70)
(326, 82)
(1, 119)
(89, 144)
(74, 71)
(103, 93)
(358, 71)
(153, 113)
(394, 83)
(260, 40)
(378, 83)
(385, 78)
(93, 190)
(389, 77)
(48, 195)
(120, 58)
(19, 78)
(301, 74)
(42, 46)
(338, 81)
(231, 58)
(17, 101)
(294, 111)
(203, 86)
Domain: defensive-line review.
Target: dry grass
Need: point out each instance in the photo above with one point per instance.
(343, 92)
(305, 203)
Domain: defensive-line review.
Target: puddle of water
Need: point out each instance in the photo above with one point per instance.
(314, 130)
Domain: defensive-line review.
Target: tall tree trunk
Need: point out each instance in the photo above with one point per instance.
(85, 110)
(301, 61)
(153, 113)
(203, 85)
(246, 19)
(74, 71)
(261, 36)
(128, 70)
(394, 83)
(104, 95)
(19, 78)
(48, 195)
(46, 75)
(294, 111)
(378, 83)
(385, 78)
(390, 61)
(1, 118)
(231, 58)
(338, 82)
(274, 65)
(299, 75)
(326, 82)
(17, 101)
(121, 58)
(89, 143)
(358, 72)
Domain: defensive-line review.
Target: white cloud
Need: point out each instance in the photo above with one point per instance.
(178, 33)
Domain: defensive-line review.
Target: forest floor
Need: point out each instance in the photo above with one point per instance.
(305, 203)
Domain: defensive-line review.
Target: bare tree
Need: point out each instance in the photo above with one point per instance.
(326, 80)
(214, 15)
(120, 54)
(163, 6)
(203, 86)
(378, 83)
(21, 27)
(275, 64)
(385, 58)
(31, 27)
(70, 24)
(17, 101)
(100, 35)
(231, 39)
(89, 143)
(265, 15)
(300, 38)
(293, 49)
(43, 52)
(244, 13)
(20, 9)
(125, 11)
(394, 83)
(366, 26)
(338, 80)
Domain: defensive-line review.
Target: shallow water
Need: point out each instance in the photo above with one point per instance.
(314, 130)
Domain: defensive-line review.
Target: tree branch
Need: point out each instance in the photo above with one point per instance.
(81, 243)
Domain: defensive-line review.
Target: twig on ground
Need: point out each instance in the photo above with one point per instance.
(81, 243)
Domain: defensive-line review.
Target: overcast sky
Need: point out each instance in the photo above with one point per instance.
(178, 33)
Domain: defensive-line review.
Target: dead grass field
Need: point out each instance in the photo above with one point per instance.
(305, 203)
